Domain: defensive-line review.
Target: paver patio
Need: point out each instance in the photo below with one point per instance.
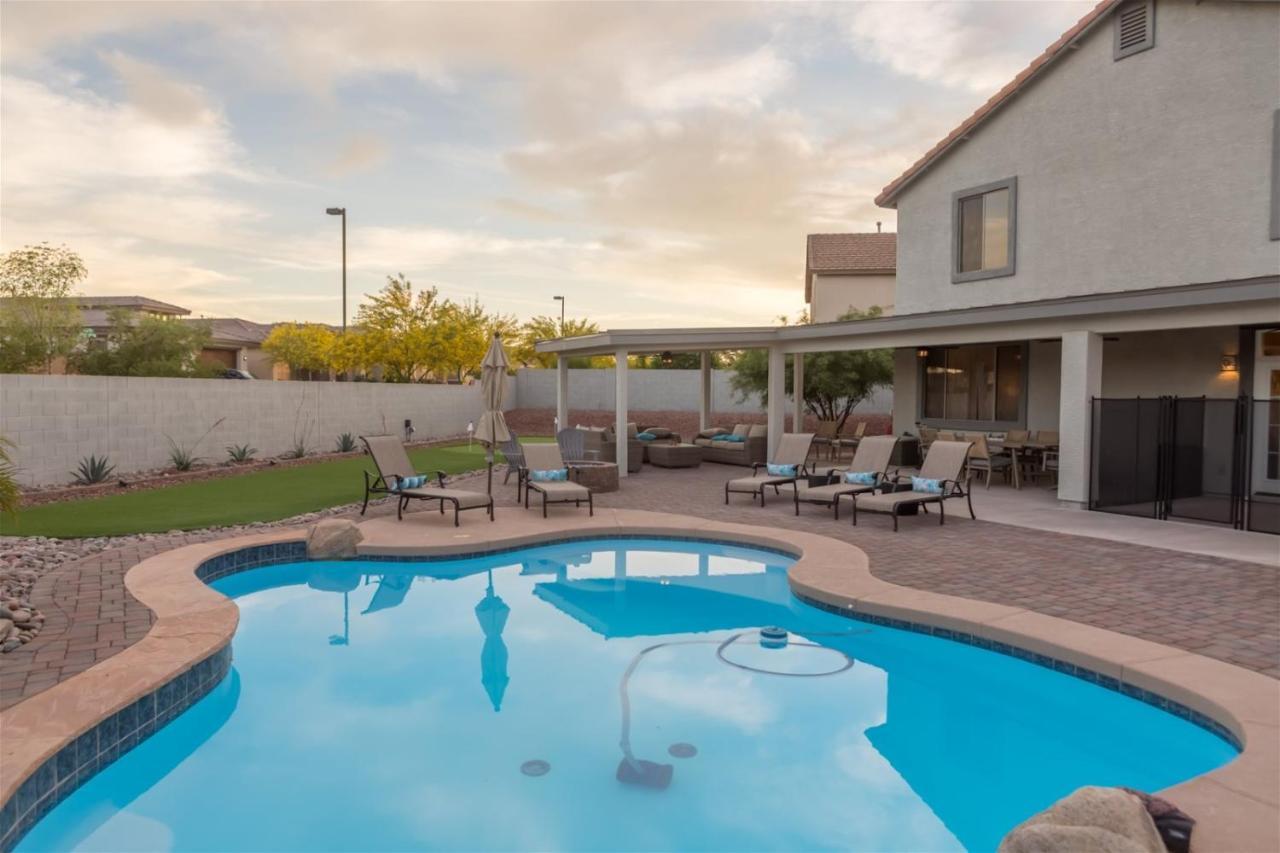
(1225, 609)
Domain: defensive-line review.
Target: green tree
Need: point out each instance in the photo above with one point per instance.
(39, 322)
(399, 329)
(144, 345)
(834, 382)
(461, 332)
(543, 328)
(308, 348)
(677, 361)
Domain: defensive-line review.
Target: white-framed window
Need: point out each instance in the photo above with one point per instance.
(984, 231)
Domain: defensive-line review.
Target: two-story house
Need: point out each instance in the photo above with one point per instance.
(1105, 227)
(849, 272)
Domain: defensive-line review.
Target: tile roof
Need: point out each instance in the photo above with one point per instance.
(856, 254)
(137, 303)
(233, 329)
(888, 195)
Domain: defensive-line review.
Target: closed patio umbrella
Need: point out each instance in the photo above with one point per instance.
(492, 429)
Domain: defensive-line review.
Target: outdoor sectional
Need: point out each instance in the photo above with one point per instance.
(748, 453)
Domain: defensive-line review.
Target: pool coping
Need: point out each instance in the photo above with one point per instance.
(56, 740)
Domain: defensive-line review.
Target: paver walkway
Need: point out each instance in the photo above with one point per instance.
(1224, 609)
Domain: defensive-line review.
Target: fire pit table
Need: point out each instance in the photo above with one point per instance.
(675, 455)
(596, 476)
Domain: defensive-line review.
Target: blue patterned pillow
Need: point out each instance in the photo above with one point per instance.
(409, 482)
(552, 475)
(781, 470)
(860, 478)
(645, 436)
(921, 484)
(736, 439)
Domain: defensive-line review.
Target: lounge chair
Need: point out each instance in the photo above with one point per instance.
(546, 457)
(871, 457)
(944, 464)
(394, 468)
(793, 451)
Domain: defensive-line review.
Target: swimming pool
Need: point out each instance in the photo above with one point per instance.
(479, 704)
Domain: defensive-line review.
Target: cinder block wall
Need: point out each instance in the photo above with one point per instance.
(55, 421)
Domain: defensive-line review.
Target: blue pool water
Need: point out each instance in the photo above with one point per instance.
(404, 706)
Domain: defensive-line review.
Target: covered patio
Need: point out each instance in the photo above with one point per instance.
(1073, 329)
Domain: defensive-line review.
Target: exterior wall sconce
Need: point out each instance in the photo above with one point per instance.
(666, 359)
(922, 353)
(1230, 363)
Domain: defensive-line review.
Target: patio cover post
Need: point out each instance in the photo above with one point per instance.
(777, 405)
(562, 392)
(704, 396)
(620, 406)
(1081, 382)
(797, 392)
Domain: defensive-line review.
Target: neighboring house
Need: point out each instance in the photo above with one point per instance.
(232, 343)
(236, 343)
(95, 311)
(1107, 225)
(849, 271)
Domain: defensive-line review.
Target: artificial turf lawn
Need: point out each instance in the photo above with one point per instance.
(264, 495)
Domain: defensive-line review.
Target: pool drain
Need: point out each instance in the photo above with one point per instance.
(682, 750)
(536, 767)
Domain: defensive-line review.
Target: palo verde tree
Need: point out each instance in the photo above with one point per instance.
(544, 328)
(834, 382)
(308, 348)
(39, 321)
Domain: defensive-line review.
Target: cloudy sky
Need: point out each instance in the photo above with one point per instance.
(656, 163)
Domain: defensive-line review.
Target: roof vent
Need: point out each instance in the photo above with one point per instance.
(1135, 24)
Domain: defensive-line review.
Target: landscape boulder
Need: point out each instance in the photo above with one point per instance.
(333, 539)
(1091, 820)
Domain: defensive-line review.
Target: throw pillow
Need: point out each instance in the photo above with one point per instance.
(742, 429)
(711, 433)
(735, 439)
(551, 475)
(921, 484)
(408, 482)
(646, 436)
(659, 432)
(781, 470)
(860, 478)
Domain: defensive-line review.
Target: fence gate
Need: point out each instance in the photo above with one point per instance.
(1184, 457)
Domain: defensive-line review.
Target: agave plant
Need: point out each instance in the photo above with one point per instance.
(93, 469)
(346, 443)
(181, 457)
(9, 494)
(298, 451)
(240, 453)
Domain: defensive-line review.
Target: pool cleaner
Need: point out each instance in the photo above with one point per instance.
(652, 774)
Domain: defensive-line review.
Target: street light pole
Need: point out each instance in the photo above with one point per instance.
(342, 211)
(560, 299)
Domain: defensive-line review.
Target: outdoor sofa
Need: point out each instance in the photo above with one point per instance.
(395, 470)
(749, 452)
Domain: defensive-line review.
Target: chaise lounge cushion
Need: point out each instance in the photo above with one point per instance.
(561, 491)
(466, 500)
(889, 501)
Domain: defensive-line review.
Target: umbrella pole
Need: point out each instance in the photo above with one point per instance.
(489, 459)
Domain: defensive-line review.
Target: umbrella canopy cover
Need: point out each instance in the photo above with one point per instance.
(492, 428)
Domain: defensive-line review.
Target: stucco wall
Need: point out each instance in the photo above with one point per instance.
(57, 420)
(1148, 172)
(649, 390)
(834, 295)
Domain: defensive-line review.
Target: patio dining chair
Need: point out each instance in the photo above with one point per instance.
(790, 461)
(939, 480)
(824, 437)
(983, 460)
(849, 437)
